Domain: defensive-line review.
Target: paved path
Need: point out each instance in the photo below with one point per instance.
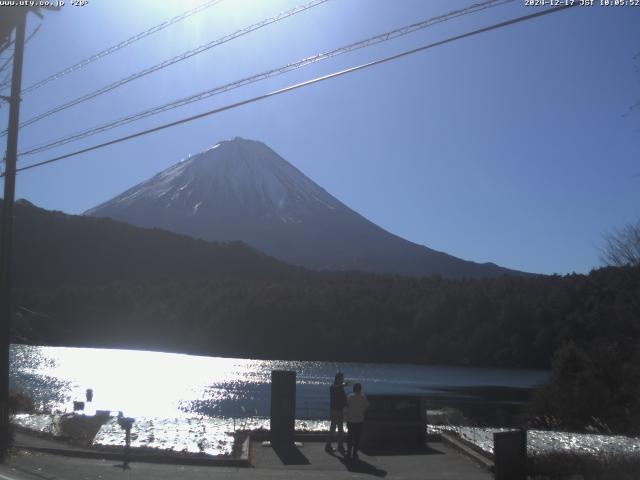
(307, 463)
(438, 461)
(40, 441)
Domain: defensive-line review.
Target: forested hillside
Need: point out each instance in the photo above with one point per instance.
(96, 282)
(506, 321)
(91, 281)
(52, 248)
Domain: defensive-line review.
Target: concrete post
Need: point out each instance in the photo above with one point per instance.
(283, 406)
(510, 455)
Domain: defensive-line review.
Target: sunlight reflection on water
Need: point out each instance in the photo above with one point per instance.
(167, 385)
(188, 403)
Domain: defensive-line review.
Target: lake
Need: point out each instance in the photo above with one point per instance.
(168, 385)
(194, 404)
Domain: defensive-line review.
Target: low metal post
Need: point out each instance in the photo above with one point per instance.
(127, 446)
(126, 423)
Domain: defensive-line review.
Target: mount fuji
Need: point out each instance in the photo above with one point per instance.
(242, 190)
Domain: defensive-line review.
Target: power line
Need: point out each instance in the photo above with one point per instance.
(6, 63)
(6, 81)
(176, 59)
(6, 45)
(33, 33)
(383, 37)
(125, 43)
(299, 85)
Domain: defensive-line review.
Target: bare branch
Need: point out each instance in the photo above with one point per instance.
(622, 247)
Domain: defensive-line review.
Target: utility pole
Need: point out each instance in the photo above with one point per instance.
(7, 229)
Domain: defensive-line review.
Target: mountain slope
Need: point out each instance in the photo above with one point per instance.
(242, 190)
(53, 248)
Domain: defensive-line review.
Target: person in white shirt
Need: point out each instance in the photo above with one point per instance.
(357, 404)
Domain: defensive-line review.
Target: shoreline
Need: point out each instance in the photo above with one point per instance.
(548, 451)
(273, 358)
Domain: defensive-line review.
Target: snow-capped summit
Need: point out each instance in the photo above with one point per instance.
(242, 175)
(240, 189)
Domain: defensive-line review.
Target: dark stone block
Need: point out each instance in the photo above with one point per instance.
(398, 420)
(510, 455)
(395, 408)
(283, 406)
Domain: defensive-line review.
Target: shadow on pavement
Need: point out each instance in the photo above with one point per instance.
(290, 454)
(360, 466)
(383, 451)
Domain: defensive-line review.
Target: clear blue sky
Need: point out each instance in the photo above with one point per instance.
(510, 147)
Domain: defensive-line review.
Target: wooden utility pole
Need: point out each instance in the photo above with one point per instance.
(7, 229)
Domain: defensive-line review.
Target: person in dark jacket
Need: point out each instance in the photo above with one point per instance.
(337, 402)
